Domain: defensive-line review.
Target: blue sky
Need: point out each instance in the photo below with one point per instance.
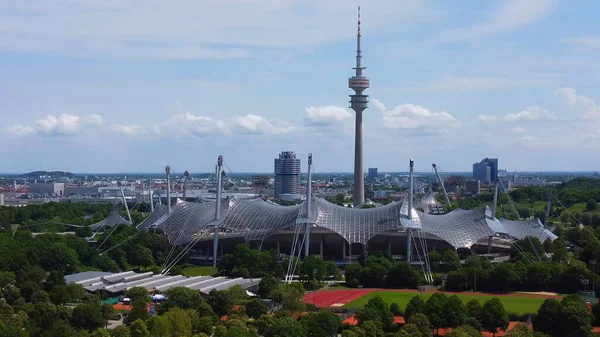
(123, 86)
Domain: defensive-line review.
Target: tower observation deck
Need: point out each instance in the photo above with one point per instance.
(358, 103)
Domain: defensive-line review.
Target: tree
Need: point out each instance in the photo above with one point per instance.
(139, 311)
(179, 322)
(464, 331)
(415, 305)
(520, 330)
(402, 275)
(60, 257)
(255, 308)
(494, 316)
(87, 316)
(321, 324)
(237, 295)
(591, 205)
(108, 311)
(292, 296)
(263, 323)
(120, 331)
(181, 297)
(267, 286)
(286, 327)
(546, 320)
(574, 317)
(434, 309)
(376, 310)
(421, 322)
(219, 302)
(141, 256)
(455, 312)
(474, 309)
(395, 309)
(59, 295)
(159, 326)
(138, 293)
(138, 329)
(413, 330)
(373, 329)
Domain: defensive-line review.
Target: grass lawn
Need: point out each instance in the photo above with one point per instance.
(199, 271)
(512, 304)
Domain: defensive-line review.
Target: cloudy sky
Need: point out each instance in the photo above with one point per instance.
(133, 85)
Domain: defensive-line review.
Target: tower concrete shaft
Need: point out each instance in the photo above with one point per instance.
(358, 103)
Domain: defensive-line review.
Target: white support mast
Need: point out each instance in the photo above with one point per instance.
(219, 170)
(494, 205)
(409, 212)
(168, 171)
(125, 203)
(186, 174)
(439, 178)
(150, 195)
(308, 201)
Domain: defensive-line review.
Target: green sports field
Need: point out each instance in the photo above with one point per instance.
(513, 304)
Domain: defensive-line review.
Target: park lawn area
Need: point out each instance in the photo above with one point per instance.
(513, 304)
(199, 271)
(577, 208)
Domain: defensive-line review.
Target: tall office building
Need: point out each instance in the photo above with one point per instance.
(358, 103)
(287, 176)
(372, 175)
(486, 171)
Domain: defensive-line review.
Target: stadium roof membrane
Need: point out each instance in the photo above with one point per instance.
(256, 219)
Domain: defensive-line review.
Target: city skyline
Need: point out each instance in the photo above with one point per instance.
(511, 80)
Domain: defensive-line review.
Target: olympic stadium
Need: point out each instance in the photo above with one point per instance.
(336, 233)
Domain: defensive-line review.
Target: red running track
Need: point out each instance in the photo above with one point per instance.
(332, 297)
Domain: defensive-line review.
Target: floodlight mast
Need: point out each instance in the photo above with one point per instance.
(439, 178)
(219, 170)
(168, 171)
(308, 201)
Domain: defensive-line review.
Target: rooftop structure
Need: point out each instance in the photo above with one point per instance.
(116, 283)
(358, 103)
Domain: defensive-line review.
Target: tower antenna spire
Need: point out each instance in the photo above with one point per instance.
(358, 22)
(358, 102)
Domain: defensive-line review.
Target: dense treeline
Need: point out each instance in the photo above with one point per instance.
(77, 213)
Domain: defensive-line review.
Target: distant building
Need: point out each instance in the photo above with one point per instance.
(261, 181)
(47, 188)
(372, 175)
(486, 171)
(473, 186)
(287, 176)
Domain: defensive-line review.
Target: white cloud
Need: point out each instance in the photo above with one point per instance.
(154, 29)
(530, 114)
(128, 130)
(591, 42)
(254, 124)
(64, 125)
(483, 83)
(326, 116)
(511, 15)
(410, 116)
(188, 124)
(592, 110)
(519, 129)
(93, 120)
(20, 130)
